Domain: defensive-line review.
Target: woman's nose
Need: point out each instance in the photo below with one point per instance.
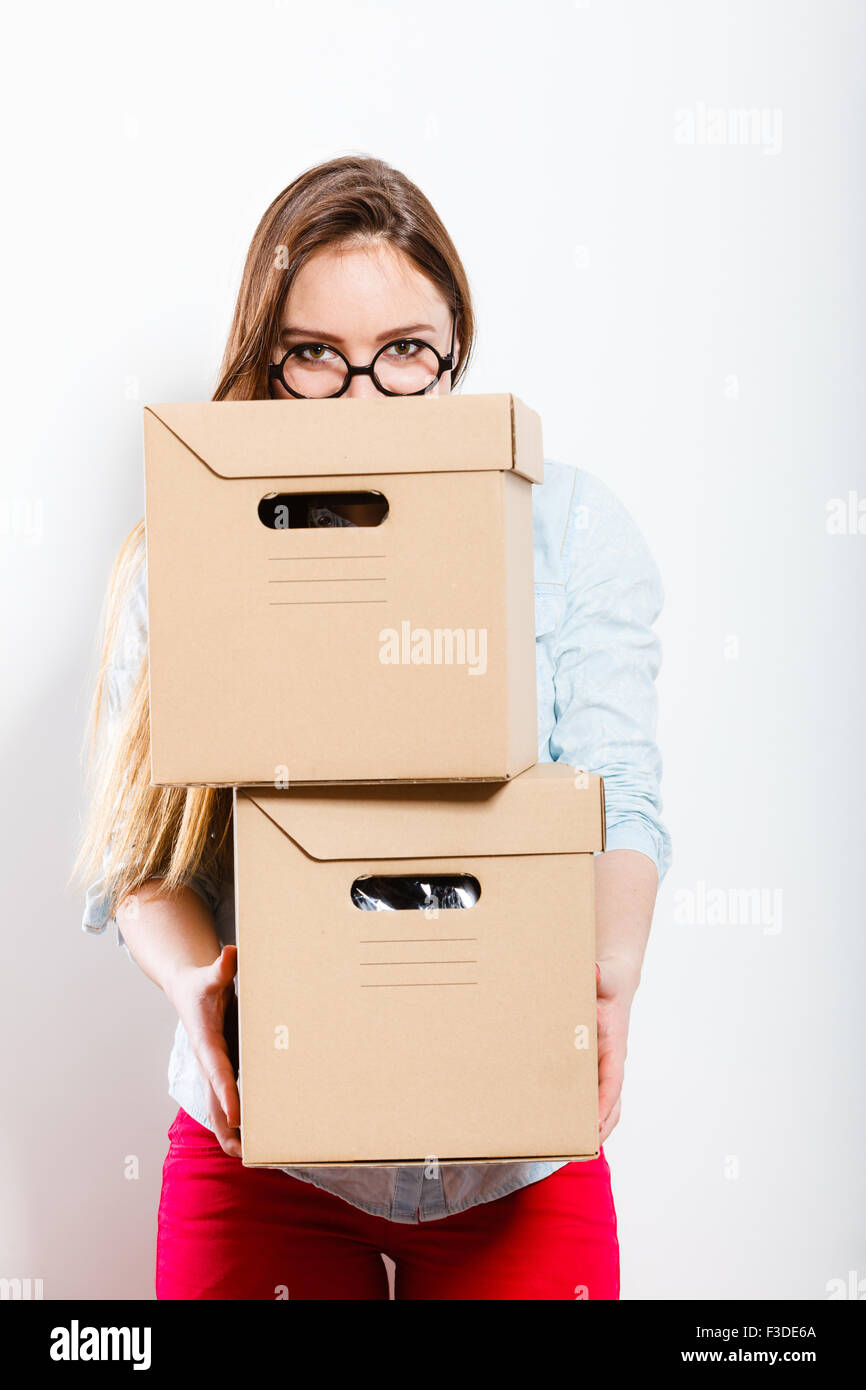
(361, 386)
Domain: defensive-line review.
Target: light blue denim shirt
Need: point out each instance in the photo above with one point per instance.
(597, 596)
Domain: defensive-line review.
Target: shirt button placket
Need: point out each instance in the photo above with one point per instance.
(407, 1193)
(431, 1202)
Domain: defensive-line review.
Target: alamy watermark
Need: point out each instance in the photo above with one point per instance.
(76, 1343)
(756, 126)
(846, 516)
(21, 1290)
(852, 1287)
(22, 518)
(438, 646)
(729, 907)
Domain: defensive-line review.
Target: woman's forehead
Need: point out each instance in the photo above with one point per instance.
(349, 290)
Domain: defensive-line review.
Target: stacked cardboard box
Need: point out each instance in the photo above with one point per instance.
(368, 689)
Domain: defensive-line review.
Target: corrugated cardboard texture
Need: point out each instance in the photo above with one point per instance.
(414, 1035)
(265, 644)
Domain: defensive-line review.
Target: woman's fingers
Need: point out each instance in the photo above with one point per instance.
(224, 968)
(611, 1073)
(611, 1121)
(211, 1052)
(202, 1007)
(201, 999)
(612, 1045)
(228, 1136)
(615, 986)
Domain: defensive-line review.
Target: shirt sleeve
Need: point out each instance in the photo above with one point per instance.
(129, 652)
(607, 657)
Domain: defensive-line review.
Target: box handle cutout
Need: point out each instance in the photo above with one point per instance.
(281, 511)
(405, 892)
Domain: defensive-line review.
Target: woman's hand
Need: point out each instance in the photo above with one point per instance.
(616, 981)
(625, 891)
(201, 994)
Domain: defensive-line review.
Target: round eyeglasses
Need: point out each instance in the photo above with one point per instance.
(403, 367)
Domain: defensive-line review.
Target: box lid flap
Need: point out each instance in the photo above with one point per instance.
(363, 435)
(550, 809)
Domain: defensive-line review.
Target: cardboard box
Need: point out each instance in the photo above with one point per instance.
(283, 654)
(380, 1037)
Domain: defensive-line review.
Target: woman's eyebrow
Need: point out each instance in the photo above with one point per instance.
(315, 335)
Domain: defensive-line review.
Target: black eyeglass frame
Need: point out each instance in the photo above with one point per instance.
(446, 364)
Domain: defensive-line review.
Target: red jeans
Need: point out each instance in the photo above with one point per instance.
(229, 1232)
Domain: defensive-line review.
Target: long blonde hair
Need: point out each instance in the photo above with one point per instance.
(134, 831)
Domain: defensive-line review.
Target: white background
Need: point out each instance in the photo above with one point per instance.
(688, 319)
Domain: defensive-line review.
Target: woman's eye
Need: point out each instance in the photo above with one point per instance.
(316, 352)
(403, 349)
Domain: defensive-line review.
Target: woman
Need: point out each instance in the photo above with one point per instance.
(348, 264)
